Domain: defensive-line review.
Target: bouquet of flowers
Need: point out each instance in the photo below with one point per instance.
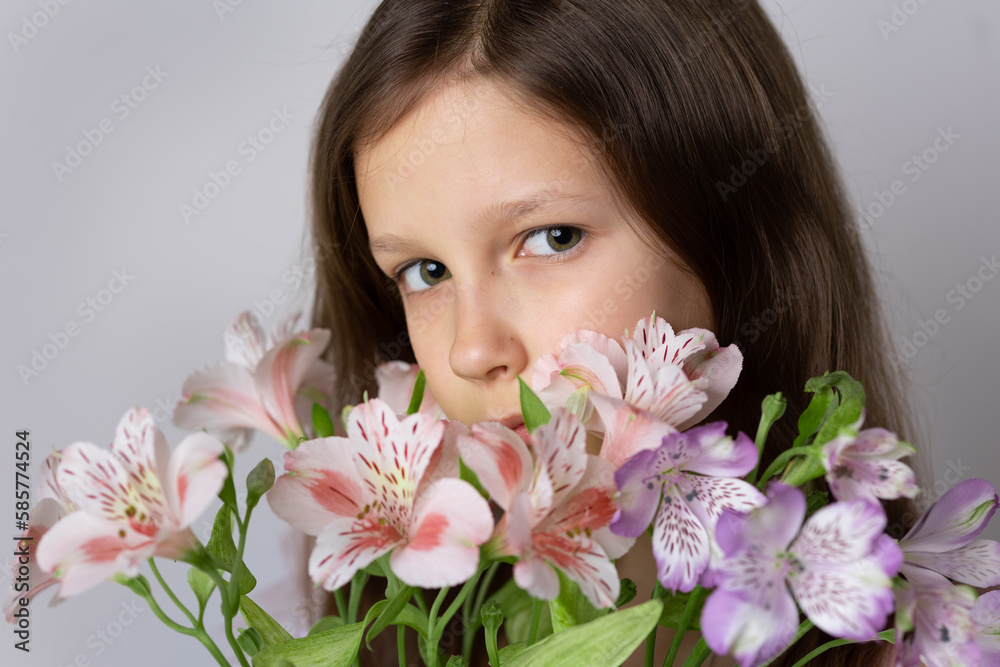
(394, 493)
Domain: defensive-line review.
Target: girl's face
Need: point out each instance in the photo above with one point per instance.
(503, 237)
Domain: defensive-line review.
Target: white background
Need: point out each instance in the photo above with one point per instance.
(61, 240)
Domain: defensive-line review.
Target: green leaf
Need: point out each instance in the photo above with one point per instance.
(456, 661)
(673, 609)
(850, 406)
(374, 569)
(223, 550)
(512, 598)
(259, 481)
(815, 500)
(511, 651)
(138, 585)
(322, 423)
(270, 630)
(808, 467)
(571, 607)
(333, 648)
(627, 593)
(532, 409)
(227, 494)
(517, 626)
(389, 614)
(604, 642)
(202, 585)
(408, 615)
(467, 474)
(418, 393)
(251, 641)
(812, 417)
(326, 623)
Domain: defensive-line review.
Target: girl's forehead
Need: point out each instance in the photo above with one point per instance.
(466, 145)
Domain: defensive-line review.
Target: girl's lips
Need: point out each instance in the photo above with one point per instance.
(516, 423)
(522, 432)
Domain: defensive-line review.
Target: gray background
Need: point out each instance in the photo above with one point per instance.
(887, 96)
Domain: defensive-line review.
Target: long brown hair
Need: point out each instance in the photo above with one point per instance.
(697, 115)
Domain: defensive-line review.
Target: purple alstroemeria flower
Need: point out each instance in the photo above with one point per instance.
(986, 623)
(839, 567)
(942, 545)
(686, 483)
(865, 464)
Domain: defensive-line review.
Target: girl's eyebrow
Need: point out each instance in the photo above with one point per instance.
(502, 212)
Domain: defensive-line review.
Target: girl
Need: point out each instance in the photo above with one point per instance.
(490, 175)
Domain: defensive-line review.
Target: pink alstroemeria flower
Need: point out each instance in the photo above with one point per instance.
(866, 464)
(942, 545)
(396, 380)
(839, 567)
(135, 501)
(653, 383)
(266, 383)
(53, 505)
(685, 483)
(986, 623)
(558, 506)
(373, 493)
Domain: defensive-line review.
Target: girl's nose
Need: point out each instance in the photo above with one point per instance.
(488, 344)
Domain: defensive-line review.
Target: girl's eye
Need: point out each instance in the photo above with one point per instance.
(423, 274)
(552, 240)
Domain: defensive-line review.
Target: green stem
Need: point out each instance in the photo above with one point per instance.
(170, 593)
(536, 615)
(338, 595)
(223, 587)
(207, 642)
(418, 595)
(463, 594)
(169, 622)
(885, 635)
(401, 644)
(780, 462)
(822, 649)
(471, 621)
(432, 627)
(698, 655)
(771, 409)
(196, 632)
(491, 649)
(354, 602)
(658, 593)
(805, 627)
(234, 589)
(686, 616)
